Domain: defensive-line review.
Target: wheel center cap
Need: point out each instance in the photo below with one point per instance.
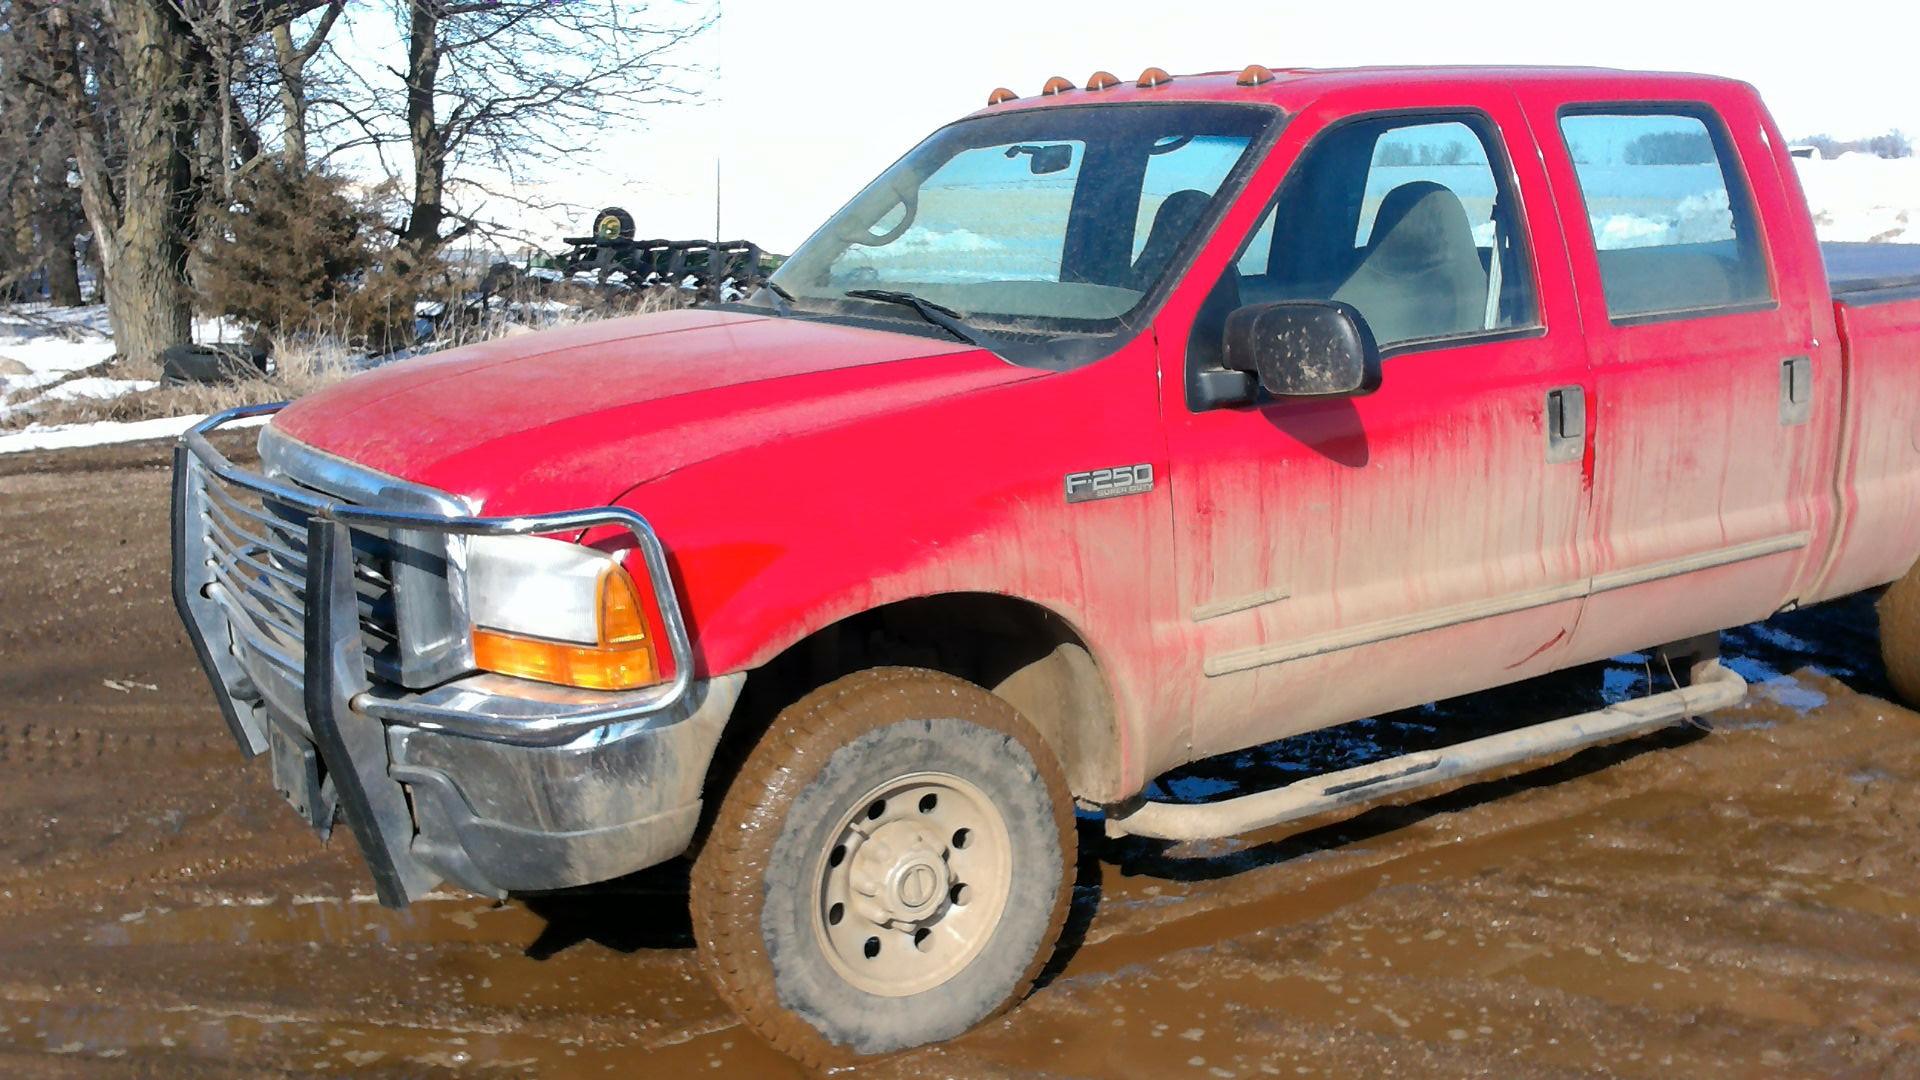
(917, 886)
(903, 868)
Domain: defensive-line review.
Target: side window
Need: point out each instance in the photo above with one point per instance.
(1408, 220)
(1670, 216)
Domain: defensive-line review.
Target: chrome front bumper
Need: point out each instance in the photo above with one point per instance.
(495, 783)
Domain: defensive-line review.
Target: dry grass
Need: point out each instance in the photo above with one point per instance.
(300, 369)
(304, 365)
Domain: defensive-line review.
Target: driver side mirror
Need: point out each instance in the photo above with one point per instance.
(1304, 348)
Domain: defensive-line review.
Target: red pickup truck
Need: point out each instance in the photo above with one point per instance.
(1109, 429)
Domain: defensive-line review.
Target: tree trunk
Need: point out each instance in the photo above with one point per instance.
(293, 99)
(16, 243)
(98, 197)
(422, 236)
(57, 219)
(148, 299)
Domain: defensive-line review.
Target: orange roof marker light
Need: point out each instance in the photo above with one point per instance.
(1059, 84)
(1102, 80)
(1255, 75)
(1001, 96)
(1153, 77)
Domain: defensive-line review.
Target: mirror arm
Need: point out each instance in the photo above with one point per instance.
(1217, 388)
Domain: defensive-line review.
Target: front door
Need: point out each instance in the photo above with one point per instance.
(1342, 557)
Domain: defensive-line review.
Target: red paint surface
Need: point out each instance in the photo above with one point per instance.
(799, 473)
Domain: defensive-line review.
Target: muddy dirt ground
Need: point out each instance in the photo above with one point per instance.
(1740, 901)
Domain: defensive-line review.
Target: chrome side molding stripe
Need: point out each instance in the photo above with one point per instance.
(1706, 560)
(1402, 626)
(1238, 603)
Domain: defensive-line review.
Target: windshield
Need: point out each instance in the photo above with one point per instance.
(1048, 218)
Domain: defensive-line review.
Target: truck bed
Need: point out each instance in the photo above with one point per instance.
(1872, 273)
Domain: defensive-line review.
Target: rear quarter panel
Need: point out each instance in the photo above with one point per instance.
(1879, 480)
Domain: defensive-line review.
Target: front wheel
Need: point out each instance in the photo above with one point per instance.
(891, 867)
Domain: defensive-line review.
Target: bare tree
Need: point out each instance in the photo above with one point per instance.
(143, 91)
(291, 60)
(502, 86)
(157, 107)
(45, 211)
(122, 76)
(56, 218)
(16, 158)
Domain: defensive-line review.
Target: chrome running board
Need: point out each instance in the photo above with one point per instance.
(1712, 687)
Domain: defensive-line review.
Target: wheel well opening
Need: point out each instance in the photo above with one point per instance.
(1017, 649)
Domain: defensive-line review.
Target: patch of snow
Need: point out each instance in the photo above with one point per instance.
(218, 330)
(47, 360)
(103, 433)
(1696, 219)
(1861, 198)
(23, 321)
(41, 344)
(96, 387)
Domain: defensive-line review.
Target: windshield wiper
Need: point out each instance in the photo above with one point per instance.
(779, 298)
(953, 322)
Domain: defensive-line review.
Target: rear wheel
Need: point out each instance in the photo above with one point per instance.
(1900, 636)
(891, 867)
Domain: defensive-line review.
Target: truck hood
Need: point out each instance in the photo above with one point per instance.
(576, 417)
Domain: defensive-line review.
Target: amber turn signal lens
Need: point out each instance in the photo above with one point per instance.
(623, 659)
(586, 666)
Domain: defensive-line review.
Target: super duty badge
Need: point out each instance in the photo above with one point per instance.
(1109, 483)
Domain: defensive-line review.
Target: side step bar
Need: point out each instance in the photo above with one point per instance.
(1712, 687)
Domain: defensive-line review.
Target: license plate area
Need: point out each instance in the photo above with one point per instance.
(300, 778)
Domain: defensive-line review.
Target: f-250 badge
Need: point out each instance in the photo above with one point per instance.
(1109, 483)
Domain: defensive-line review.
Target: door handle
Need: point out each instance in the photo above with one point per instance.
(1796, 390)
(1566, 424)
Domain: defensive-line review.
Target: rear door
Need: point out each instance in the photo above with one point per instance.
(1339, 557)
(1713, 401)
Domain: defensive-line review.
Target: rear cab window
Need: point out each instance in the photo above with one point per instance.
(1671, 215)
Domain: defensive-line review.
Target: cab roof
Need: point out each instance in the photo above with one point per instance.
(1293, 88)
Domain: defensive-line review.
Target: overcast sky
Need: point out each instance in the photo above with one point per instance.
(806, 101)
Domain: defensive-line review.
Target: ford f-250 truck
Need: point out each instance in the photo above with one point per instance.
(1109, 429)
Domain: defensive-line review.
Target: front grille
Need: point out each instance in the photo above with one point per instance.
(257, 553)
(410, 583)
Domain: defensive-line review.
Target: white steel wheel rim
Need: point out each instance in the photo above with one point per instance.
(912, 882)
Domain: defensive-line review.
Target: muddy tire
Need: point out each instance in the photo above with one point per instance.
(1900, 636)
(891, 867)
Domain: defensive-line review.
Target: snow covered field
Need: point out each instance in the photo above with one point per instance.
(50, 354)
(1859, 198)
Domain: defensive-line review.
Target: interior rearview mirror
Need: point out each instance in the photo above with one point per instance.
(1043, 160)
(1304, 348)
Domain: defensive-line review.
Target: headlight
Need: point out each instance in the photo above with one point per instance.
(557, 612)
